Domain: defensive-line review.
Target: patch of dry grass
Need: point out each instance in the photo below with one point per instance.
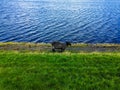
(46, 47)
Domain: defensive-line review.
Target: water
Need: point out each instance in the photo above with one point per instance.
(86, 21)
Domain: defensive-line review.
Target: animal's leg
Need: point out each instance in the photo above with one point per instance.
(62, 50)
(53, 49)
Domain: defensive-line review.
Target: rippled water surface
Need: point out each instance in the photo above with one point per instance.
(87, 21)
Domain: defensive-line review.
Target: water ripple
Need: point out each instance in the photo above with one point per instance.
(96, 22)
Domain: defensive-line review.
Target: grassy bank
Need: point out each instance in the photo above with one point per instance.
(59, 71)
(43, 47)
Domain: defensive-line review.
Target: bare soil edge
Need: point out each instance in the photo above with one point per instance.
(46, 47)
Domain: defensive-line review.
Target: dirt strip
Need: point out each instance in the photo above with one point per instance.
(42, 47)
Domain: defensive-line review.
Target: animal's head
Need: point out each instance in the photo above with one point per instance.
(68, 43)
(52, 43)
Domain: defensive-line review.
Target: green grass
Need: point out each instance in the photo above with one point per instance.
(59, 71)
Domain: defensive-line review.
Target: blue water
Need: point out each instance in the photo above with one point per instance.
(87, 21)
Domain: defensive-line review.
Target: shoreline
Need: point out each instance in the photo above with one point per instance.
(21, 63)
(46, 47)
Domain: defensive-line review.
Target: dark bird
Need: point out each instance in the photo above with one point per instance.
(59, 46)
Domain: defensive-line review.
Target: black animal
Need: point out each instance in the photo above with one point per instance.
(59, 46)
